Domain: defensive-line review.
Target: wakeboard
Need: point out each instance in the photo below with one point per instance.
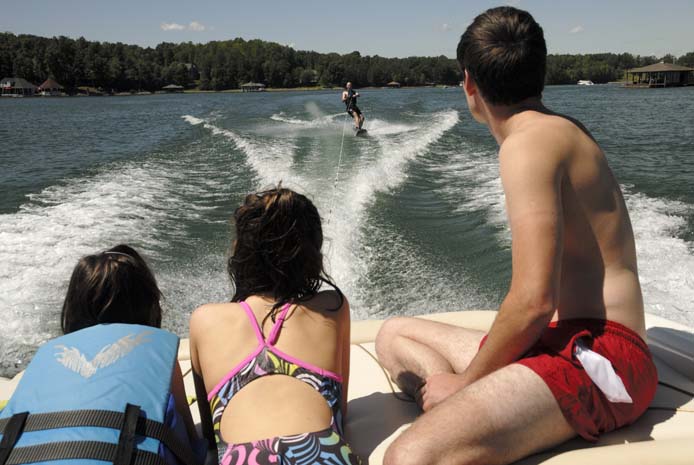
(361, 132)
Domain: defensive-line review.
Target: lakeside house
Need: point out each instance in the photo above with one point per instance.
(50, 88)
(393, 85)
(660, 75)
(172, 88)
(253, 87)
(16, 87)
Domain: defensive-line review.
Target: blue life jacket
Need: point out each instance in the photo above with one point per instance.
(101, 394)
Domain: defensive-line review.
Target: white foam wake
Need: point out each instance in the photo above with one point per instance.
(41, 243)
(349, 260)
(271, 159)
(193, 120)
(320, 121)
(470, 182)
(379, 127)
(666, 262)
(149, 204)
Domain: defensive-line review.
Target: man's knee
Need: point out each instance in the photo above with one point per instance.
(407, 450)
(389, 332)
(404, 452)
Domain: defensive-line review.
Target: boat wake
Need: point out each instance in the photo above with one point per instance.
(666, 262)
(321, 121)
(470, 181)
(374, 167)
(351, 236)
(271, 159)
(144, 203)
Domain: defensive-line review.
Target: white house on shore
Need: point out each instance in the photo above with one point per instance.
(16, 87)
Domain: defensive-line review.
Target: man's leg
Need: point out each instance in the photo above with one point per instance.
(355, 117)
(412, 349)
(501, 418)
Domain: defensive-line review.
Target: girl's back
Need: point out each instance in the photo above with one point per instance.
(270, 367)
(260, 388)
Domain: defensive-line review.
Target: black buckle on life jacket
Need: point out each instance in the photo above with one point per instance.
(126, 440)
(11, 434)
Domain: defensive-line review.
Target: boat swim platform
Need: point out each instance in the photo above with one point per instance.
(378, 412)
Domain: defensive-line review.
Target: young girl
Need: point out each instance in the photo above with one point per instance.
(111, 388)
(117, 286)
(278, 323)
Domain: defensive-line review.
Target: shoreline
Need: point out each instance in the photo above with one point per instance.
(275, 90)
(230, 91)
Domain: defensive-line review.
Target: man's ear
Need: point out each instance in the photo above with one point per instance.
(469, 85)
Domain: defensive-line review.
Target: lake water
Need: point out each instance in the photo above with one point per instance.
(415, 222)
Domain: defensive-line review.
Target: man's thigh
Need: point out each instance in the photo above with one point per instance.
(456, 344)
(501, 418)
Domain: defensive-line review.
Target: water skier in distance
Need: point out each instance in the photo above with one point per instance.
(349, 97)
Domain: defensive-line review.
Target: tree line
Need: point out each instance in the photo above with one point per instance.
(221, 65)
(603, 67)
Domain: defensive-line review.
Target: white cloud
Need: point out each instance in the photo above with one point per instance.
(196, 26)
(576, 29)
(445, 27)
(172, 27)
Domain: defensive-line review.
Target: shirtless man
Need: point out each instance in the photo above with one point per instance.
(574, 287)
(349, 97)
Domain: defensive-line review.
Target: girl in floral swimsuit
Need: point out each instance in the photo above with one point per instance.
(272, 366)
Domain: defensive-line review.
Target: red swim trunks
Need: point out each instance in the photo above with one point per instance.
(583, 404)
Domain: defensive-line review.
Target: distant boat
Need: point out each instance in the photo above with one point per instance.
(586, 83)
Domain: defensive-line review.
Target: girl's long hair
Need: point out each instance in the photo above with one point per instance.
(277, 252)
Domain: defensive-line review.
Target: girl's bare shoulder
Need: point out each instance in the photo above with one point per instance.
(212, 315)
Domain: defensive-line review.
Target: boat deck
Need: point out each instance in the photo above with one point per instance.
(378, 411)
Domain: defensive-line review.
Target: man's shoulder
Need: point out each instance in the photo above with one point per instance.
(543, 138)
(537, 149)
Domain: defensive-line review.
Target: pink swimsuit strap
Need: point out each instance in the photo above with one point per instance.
(274, 332)
(269, 344)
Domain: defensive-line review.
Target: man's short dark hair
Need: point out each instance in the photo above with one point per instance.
(504, 51)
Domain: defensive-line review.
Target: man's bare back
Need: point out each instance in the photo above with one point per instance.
(599, 277)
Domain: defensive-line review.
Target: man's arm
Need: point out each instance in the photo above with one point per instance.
(531, 174)
(344, 96)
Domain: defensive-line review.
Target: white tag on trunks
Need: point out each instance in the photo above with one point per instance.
(601, 372)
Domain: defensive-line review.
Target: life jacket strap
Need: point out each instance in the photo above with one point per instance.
(75, 450)
(11, 431)
(102, 419)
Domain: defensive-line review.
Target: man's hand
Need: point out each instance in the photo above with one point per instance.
(438, 388)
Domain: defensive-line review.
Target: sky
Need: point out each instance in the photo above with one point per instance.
(390, 28)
